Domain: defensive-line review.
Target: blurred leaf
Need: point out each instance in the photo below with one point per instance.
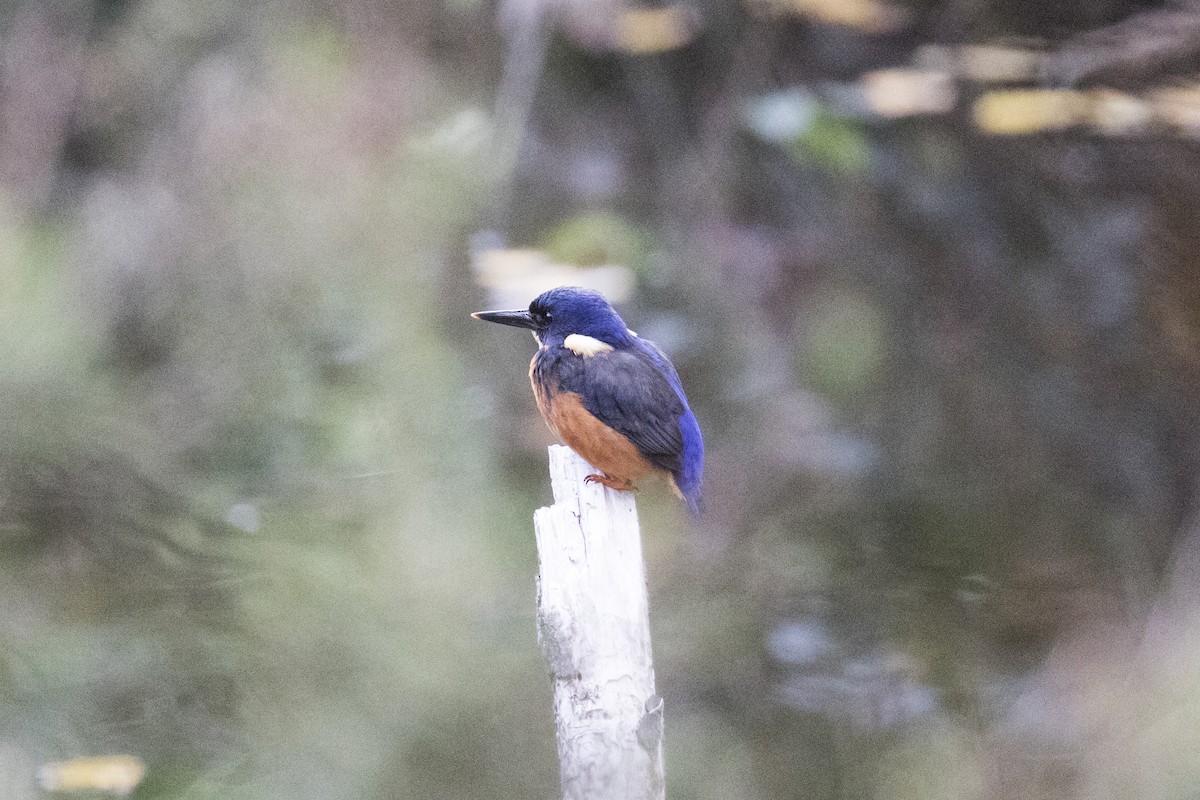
(315, 55)
(514, 276)
(1179, 107)
(936, 761)
(843, 343)
(896, 93)
(714, 760)
(834, 143)
(116, 775)
(655, 30)
(37, 323)
(1026, 111)
(598, 238)
(995, 63)
(780, 116)
(868, 16)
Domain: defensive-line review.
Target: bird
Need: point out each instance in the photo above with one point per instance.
(612, 396)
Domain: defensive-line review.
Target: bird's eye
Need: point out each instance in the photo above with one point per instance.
(540, 317)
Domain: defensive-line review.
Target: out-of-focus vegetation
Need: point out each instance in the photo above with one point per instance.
(927, 269)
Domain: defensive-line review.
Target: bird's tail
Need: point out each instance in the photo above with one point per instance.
(691, 496)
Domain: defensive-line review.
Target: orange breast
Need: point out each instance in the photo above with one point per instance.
(604, 448)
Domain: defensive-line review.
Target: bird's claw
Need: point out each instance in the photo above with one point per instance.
(612, 483)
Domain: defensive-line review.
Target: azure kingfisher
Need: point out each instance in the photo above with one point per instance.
(612, 396)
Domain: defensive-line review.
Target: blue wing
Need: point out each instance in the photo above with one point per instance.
(691, 472)
(636, 391)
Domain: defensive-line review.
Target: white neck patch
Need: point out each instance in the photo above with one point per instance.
(585, 346)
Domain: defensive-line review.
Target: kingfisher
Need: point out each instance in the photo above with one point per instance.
(611, 395)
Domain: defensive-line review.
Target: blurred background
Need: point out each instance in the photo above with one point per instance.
(927, 270)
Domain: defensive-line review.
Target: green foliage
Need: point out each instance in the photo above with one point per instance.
(597, 238)
(933, 762)
(844, 342)
(832, 142)
(35, 317)
(247, 532)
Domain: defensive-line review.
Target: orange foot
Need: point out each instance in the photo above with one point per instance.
(612, 483)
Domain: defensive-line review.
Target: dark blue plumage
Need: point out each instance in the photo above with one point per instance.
(612, 396)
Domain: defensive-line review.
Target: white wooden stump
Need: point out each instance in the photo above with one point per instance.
(594, 630)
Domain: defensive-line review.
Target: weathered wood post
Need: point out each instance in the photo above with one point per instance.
(594, 630)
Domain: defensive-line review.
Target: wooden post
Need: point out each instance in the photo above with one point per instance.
(594, 630)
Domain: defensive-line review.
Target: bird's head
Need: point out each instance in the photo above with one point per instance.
(566, 311)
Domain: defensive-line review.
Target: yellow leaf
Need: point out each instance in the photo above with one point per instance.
(655, 30)
(514, 276)
(869, 16)
(896, 93)
(990, 63)
(1178, 107)
(1119, 113)
(1026, 111)
(117, 775)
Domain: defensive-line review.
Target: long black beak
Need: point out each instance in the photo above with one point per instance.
(517, 319)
